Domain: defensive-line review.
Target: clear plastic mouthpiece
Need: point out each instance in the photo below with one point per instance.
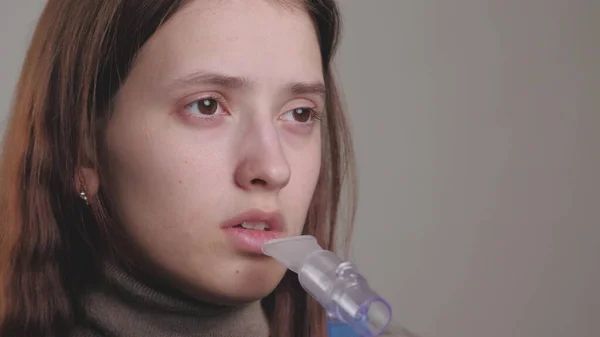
(335, 284)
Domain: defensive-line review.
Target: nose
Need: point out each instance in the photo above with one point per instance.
(262, 164)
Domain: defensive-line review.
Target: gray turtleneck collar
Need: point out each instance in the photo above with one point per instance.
(124, 307)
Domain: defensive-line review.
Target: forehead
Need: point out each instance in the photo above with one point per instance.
(262, 40)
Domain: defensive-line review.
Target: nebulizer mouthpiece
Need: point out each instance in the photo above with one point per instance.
(335, 284)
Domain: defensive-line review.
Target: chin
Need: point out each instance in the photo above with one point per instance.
(240, 282)
(251, 284)
(243, 296)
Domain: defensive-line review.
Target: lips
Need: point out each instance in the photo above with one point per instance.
(248, 231)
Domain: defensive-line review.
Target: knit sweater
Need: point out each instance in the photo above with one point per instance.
(123, 306)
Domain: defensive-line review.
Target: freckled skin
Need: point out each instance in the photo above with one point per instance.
(174, 177)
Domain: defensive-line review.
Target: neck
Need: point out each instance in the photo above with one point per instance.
(122, 305)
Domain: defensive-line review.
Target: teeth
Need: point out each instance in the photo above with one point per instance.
(258, 226)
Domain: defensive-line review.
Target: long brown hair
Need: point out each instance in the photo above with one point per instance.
(51, 242)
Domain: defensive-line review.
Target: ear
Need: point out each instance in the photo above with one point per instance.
(87, 180)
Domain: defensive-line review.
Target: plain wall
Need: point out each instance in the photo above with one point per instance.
(476, 127)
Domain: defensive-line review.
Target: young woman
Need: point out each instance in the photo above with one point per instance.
(153, 146)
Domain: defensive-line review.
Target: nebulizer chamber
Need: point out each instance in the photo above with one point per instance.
(336, 284)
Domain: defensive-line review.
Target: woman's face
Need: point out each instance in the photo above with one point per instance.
(217, 125)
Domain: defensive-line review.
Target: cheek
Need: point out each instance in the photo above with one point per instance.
(296, 197)
(161, 179)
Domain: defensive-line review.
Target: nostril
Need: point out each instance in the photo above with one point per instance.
(258, 181)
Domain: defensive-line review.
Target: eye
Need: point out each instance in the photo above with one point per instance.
(204, 107)
(300, 115)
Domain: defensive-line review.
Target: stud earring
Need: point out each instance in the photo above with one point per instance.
(83, 197)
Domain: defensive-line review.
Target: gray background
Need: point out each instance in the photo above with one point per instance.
(476, 127)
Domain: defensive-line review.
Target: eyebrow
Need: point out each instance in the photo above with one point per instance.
(233, 82)
(316, 88)
(201, 78)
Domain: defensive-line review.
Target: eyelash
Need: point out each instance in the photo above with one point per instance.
(315, 115)
(220, 101)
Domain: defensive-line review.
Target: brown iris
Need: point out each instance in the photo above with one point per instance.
(207, 106)
(301, 115)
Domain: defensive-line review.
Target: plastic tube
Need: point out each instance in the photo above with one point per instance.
(337, 285)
